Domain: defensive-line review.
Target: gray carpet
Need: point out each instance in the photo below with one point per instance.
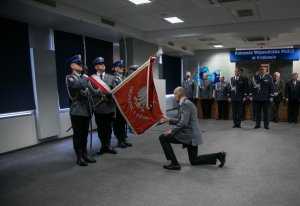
(263, 168)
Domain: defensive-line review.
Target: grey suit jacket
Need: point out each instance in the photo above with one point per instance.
(107, 105)
(205, 89)
(187, 129)
(222, 89)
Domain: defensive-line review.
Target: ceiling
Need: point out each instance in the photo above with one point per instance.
(206, 22)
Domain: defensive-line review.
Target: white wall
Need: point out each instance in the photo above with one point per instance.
(171, 103)
(296, 67)
(17, 132)
(160, 85)
(141, 53)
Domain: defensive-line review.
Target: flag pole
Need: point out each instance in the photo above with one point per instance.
(90, 96)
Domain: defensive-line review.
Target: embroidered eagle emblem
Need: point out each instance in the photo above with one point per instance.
(141, 99)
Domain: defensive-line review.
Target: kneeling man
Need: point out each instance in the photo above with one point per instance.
(188, 133)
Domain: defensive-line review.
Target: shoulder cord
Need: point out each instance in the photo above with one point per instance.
(232, 88)
(72, 98)
(256, 85)
(92, 88)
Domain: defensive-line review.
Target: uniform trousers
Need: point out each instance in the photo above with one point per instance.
(119, 126)
(265, 106)
(237, 111)
(80, 125)
(206, 108)
(274, 109)
(166, 141)
(293, 110)
(223, 109)
(104, 128)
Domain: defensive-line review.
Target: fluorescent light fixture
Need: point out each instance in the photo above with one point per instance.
(186, 35)
(217, 45)
(173, 20)
(137, 2)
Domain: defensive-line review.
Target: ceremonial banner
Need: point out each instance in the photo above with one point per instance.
(100, 84)
(137, 99)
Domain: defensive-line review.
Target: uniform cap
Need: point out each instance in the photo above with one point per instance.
(134, 67)
(98, 60)
(74, 59)
(119, 63)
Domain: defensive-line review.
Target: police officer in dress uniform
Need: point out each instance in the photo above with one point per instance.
(278, 95)
(119, 123)
(104, 107)
(262, 92)
(222, 89)
(292, 96)
(80, 109)
(132, 69)
(189, 85)
(205, 95)
(237, 95)
(247, 92)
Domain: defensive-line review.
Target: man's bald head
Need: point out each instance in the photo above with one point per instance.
(179, 92)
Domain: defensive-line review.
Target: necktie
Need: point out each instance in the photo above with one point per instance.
(101, 76)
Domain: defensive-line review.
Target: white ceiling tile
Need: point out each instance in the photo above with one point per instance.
(283, 12)
(178, 4)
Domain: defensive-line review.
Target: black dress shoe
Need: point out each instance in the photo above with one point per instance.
(172, 167)
(89, 159)
(256, 127)
(222, 159)
(238, 126)
(101, 151)
(80, 161)
(121, 144)
(234, 126)
(127, 144)
(111, 150)
(267, 127)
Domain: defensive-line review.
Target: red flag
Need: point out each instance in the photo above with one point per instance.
(137, 99)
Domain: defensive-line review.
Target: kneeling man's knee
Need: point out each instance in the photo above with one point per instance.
(161, 137)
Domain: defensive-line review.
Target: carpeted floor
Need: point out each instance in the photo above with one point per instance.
(263, 168)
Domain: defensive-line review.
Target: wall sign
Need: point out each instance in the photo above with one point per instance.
(264, 54)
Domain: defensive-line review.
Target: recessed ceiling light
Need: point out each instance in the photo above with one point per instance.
(173, 20)
(137, 2)
(217, 45)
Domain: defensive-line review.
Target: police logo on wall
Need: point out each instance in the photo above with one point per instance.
(212, 76)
